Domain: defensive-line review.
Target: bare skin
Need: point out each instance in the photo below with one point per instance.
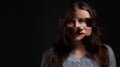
(80, 50)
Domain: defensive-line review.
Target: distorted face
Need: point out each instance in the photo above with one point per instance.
(78, 26)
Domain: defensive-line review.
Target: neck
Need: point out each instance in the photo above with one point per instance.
(79, 51)
(78, 44)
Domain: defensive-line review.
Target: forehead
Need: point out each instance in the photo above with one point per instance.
(79, 13)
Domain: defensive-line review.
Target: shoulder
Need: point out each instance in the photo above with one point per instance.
(49, 50)
(109, 48)
(46, 56)
(112, 58)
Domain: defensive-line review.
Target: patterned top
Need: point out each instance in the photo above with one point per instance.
(72, 61)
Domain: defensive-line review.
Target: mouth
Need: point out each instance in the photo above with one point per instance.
(79, 34)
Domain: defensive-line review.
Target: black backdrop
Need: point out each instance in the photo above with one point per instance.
(29, 27)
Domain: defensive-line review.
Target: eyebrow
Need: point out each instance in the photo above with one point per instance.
(85, 18)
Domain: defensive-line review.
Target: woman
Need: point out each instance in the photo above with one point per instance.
(79, 45)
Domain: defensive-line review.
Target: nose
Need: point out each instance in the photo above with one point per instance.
(77, 24)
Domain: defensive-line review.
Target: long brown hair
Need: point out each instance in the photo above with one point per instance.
(93, 45)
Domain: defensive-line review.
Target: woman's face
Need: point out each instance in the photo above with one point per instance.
(80, 20)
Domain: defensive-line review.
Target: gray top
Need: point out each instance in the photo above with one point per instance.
(85, 61)
(72, 61)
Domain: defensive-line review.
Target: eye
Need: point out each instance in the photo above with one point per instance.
(81, 20)
(89, 21)
(70, 21)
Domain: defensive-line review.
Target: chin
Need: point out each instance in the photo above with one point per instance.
(78, 38)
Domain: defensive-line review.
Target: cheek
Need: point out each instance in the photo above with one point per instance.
(69, 25)
(88, 30)
(84, 25)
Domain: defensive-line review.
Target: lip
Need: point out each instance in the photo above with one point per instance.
(79, 34)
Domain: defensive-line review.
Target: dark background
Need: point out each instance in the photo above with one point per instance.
(27, 28)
